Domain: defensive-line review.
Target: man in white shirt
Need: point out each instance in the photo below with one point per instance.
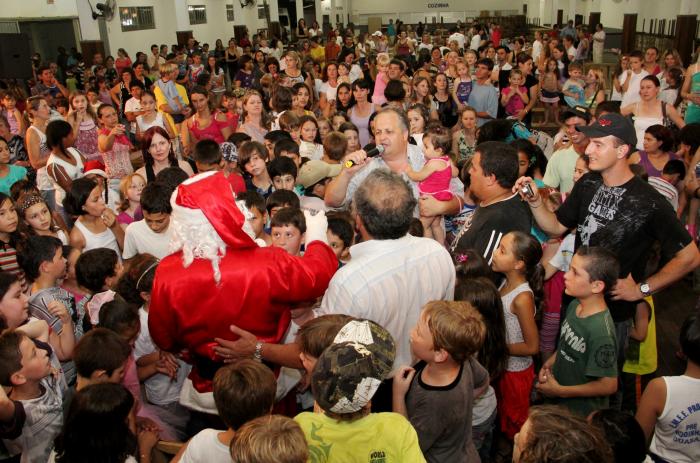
(568, 43)
(425, 44)
(392, 274)
(635, 74)
(154, 60)
(132, 107)
(152, 234)
(458, 36)
(537, 46)
(476, 41)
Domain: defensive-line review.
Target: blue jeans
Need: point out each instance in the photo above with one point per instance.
(482, 436)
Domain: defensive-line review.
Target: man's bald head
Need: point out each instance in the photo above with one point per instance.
(385, 204)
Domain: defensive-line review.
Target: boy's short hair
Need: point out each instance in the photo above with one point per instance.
(238, 138)
(135, 83)
(637, 54)
(342, 229)
(675, 166)
(100, 349)
(250, 148)
(416, 228)
(287, 145)
(243, 391)
(606, 107)
(10, 356)
(574, 66)
(252, 200)
(601, 265)
(36, 250)
(275, 136)
(155, 198)
(456, 326)
(623, 432)
(440, 138)
(317, 334)
(171, 177)
(335, 144)
(94, 267)
(289, 121)
(282, 166)
(289, 216)
(270, 439)
(207, 152)
(394, 90)
(690, 338)
(282, 198)
(348, 363)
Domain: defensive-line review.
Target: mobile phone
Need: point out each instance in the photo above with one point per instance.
(697, 170)
(527, 191)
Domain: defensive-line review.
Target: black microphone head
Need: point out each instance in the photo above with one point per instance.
(373, 150)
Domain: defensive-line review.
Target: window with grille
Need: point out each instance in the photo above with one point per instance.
(261, 11)
(198, 14)
(137, 18)
(229, 13)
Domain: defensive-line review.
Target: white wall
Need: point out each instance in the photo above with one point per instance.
(38, 9)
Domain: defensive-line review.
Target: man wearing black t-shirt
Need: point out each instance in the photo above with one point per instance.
(493, 172)
(612, 208)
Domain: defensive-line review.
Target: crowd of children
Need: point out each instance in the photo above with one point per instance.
(525, 359)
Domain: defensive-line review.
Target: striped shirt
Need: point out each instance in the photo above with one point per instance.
(389, 282)
(666, 189)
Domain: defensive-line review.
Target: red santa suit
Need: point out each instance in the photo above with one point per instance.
(220, 276)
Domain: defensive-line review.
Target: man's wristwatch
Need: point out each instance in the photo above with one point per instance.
(645, 289)
(257, 355)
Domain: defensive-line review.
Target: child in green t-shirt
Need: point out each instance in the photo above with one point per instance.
(583, 372)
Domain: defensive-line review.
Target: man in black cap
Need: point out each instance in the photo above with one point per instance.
(612, 208)
(560, 168)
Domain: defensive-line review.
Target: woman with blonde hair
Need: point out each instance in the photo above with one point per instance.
(294, 74)
(254, 116)
(595, 87)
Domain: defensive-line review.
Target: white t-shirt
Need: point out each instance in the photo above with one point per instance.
(329, 91)
(160, 389)
(475, 42)
(536, 50)
(632, 93)
(132, 105)
(139, 239)
(571, 51)
(205, 446)
(562, 258)
(459, 38)
(424, 46)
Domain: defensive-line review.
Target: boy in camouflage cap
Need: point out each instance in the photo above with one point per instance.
(344, 380)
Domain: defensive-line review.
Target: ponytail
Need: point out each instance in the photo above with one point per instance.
(529, 250)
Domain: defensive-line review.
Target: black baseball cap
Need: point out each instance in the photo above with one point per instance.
(576, 111)
(611, 124)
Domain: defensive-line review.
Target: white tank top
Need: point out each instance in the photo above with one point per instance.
(106, 239)
(157, 122)
(43, 182)
(514, 334)
(677, 432)
(72, 171)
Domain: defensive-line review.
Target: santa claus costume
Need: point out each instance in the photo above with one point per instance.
(218, 276)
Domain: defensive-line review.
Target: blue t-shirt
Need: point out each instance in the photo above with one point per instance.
(16, 174)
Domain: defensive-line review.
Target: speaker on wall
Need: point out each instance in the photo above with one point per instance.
(15, 57)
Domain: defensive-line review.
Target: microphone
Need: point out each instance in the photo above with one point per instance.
(372, 151)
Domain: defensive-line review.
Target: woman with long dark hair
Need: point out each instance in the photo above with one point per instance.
(158, 154)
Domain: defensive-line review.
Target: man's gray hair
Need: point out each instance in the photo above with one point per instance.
(385, 203)
(403, 117)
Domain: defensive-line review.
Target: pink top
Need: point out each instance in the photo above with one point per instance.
(515, 104)
(379, 86)
(438, 183)
(117, 161)
(210, 132)
(127, 219)
(86, 141)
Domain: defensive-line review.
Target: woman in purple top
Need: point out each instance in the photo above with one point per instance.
(245, 76)
(658, 141)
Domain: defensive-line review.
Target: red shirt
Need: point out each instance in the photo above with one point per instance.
(237, 183)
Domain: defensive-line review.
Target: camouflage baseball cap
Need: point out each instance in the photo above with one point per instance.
(349, 371)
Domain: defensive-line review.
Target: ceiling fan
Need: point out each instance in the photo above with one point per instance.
(105, 10)
(245, 3)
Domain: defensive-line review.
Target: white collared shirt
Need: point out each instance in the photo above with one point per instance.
(389, 282)
(416, 159)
